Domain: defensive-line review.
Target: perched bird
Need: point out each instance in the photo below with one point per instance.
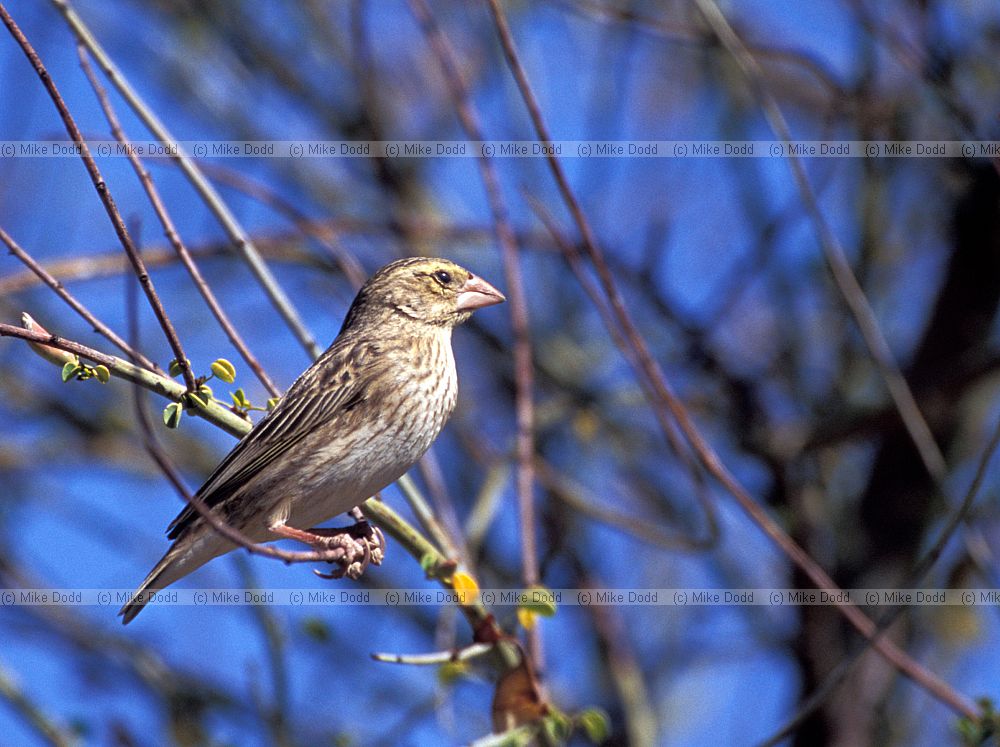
(353, 423)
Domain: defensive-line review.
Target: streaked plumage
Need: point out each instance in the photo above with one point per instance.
(351, 424)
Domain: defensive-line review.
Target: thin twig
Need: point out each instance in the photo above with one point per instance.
(690, 34)
(105, 195)
(326, 234)
(60, 290)
(629, 351)
(170, 229)
(709, 458)
(437, 657)
(833, 680)
(523, 367)
(848, 285)
(425, 514)
(277, 715)
(32, 714)
(237, 235)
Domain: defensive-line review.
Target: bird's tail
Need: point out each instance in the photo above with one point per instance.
(181, 559)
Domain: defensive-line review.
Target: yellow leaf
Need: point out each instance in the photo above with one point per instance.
(464, 583)
(527, 618)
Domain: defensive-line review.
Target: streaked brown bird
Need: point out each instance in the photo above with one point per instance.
(353, 423)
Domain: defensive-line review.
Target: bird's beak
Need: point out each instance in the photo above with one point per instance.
(477, 293)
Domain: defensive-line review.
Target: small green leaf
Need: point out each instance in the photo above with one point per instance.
(224, 370)
(70, 370)
(540, 600)
(595, 724)
(172, 414)
(240, 399)
(175, 367)
(272, 403)
(103, 374)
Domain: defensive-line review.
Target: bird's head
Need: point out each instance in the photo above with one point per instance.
(427, 290)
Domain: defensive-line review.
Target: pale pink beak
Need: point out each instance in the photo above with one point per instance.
(477, 293)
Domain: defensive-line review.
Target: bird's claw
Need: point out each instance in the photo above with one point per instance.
(360, 544)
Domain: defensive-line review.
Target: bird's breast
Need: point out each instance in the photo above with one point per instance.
(405, 414)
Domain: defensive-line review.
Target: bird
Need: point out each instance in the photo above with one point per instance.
(351, 424)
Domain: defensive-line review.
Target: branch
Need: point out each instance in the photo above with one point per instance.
(237, 235)
(44, 726)
(709, 458)
(170, 230)
(848, 285)
(60, 290)
(523, 367)
(105, 195)
(436, 565)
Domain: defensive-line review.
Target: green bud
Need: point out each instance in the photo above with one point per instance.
(224, 370)
(199, 398)
(103, 374)
(49, 353)
(557, 726)
(428, 562)
(272, 403)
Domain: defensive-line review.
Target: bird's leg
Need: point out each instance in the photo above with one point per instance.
(360, 544)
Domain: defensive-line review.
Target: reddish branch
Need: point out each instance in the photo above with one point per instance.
(105, 195)
(667, 398)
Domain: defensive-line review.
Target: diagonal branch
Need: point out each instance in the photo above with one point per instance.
(523, 368)
(484, 626)
(60, 290)
(170, 230)
(848, 285)
(237, 235)
(105, 195)
(709, 458)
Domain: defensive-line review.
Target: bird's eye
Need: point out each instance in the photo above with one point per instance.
(443, 277)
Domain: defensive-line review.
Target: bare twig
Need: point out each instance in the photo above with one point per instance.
(437, 657)
(483, 625)
(630, 352)
(523, 368)
(240, 239)
(170, 230)
(326, 234)
(833, 680)
(60, 290)
(690, 34)
(711, 461)
(848, 285)
(43, 725)
(105, 195)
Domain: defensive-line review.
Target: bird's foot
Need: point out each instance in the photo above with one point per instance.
(363, 544)
(352, 548)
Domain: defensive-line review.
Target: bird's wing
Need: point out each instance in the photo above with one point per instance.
(327, 391)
